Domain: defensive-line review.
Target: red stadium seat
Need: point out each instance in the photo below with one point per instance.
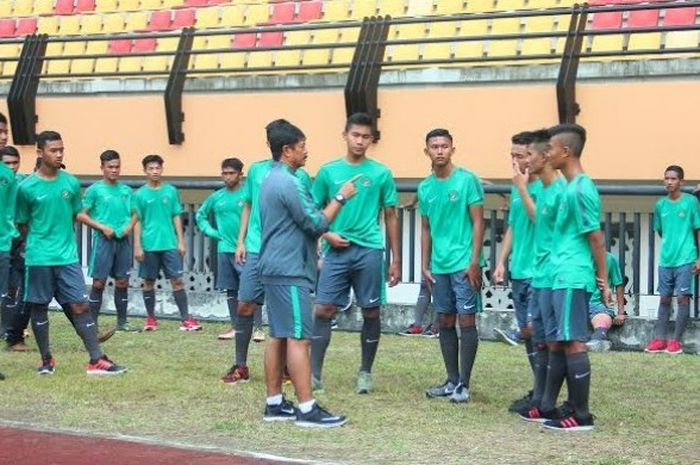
(680, 16)
(64, 7)
(84, 5)
(643, 18)
(282, 13)
(184, 18)
(271, 39)
(608, 20)
(195, 3)
(216, 2)
(160, 20)
(120, 46)
(310, 11)
(26, 26)
(7, 27)
(244, 40)
(144, 45)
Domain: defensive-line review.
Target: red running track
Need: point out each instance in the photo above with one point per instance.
(27, 447)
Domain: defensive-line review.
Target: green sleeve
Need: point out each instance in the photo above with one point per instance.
(614, 273)
(475, 193)
(76, 201)
(695, 211)
(177, 204)
(390, 197)
(22, 212)
(136, 206)
(586, 209)
(421, 201)
(513, 193)
(657, 217)
(89, 198)
(202, 218)
(305, 179)
(319, 190)
(11, 200)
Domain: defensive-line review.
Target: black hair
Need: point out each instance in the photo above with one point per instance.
(358, 119)
(151, 159)
(108, 155)
(46, 136)
(283, 134)
(438, 133)
(9, 151)
(37, 164)
(522, 138)
(677, 169)
(574, 136)
(3, 119)
(233, 163)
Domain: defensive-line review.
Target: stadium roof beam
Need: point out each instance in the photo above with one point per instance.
(568, 70)
(176, 83)
(21, 100)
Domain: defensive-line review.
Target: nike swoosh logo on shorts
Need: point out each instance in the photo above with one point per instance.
(371, 341)
(374, 300)
(582, 375)
(468, 307)
(41, 323)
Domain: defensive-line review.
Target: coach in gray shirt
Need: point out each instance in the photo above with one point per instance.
(291, 226)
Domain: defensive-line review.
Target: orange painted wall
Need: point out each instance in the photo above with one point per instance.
(636, 128)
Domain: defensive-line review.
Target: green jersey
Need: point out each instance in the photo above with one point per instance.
(578, 215)
(256, 174)
(358, 220)
(109, 204)
(155, 209)
(522, 260)
(614, 279)
(8, 198)
(48, 207)
(676, 222)
(226, 205)
(545, 218)
(446, 202)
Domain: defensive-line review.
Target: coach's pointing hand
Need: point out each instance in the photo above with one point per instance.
(348, 190)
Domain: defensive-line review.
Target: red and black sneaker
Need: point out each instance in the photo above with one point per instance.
(236, 375)
(571, 423)
(48, 366)
(413, 330)
(656, 345)
(151, 324)
(674, 346)
(190, 325)
(104, 367)
(537, 415)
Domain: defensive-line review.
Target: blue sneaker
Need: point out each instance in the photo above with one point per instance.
(509, 336)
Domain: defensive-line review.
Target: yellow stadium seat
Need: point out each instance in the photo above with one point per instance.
(539, 24)
(23, 8)
(129, 64)
(5, 8)
(607, 43)
(170, 4)
(403, 52)
(563, 23)
(287, 57)
(106, 6)
(541, 46)
(255, 14)
(503, 48)
(509, 5)
(199, 43)
(471, 49)
(437, 51)
(647, 41)
(112, 23)
(74, 48)
(54, 49)
(129, 5)
(476, 27)
(410, 31)
(69, 25)
(106, 65)
(9, 68)
(168, 44)
(233, 60)
(57, 67)
(506, 26)
(419, 7)
(325, 36)
(540, 4)
(9, 50)
(232, 16)
(159, 63)
(449, 7)
(86, 66)
(316, 57)
(336, 10)
(47, 25)
(349, 34)
(362, 8)
(136, 21)
(342, 55)
(259, 60)
(209, 61)
(219, 42)
(297, 37)
(443, 29)
(151, 4)
(480, 6)
(207, 17)
(96, 47)
(43, 7)
(681, 39)
(395, 9)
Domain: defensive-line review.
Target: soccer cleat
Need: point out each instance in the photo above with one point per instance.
(190, 325)
(509, 337)
(656, 345)
(521, 404)
(19, 347)
(319, 417)
(104, 367)
(105, 334)
(413, 330)
(236, 375)
(258, 335)
(228, 335)
(151, 324)
(281, 412)
(570, 423)
(48, 366)
(443, 390)
(598, 345)
(126, 328)
(364, 385)
(674, 347)
(431, 332)
(460, 395)
(536, 415)
(317, 385)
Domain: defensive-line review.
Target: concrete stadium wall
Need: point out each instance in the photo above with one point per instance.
(636, 127)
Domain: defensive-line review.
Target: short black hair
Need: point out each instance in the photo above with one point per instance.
(9, 151)
(677, 169)
(108, 155)
(274, 124)
(46, 136)
(540, 136)
(358, 119)
(438, 133)
(3, 119)
(152, 159)
(522, 138)
(283, 134)
(233, 163)
(574, 136)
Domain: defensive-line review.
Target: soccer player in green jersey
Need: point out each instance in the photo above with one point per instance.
(451, 202)
(225, 206)
(251, 294)
(354, 247)
(517, 244)
(578, 267)
(677, 221)
(107, 210)
(159, 241)
(8, 193)
(602, 316)
(47, 204)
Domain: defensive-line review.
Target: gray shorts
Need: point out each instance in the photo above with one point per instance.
(170, 261)
(571, 310)
(228, 272)
(251, 288)
(598, 309)
(361, 268)
(289, 310)
(64, 282)
(535, 315)
(544, 319)
(4, 273)
(453, 293)
(522, 295)
(677, 280)
(110, 258)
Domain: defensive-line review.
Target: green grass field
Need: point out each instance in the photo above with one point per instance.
(646, 405)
